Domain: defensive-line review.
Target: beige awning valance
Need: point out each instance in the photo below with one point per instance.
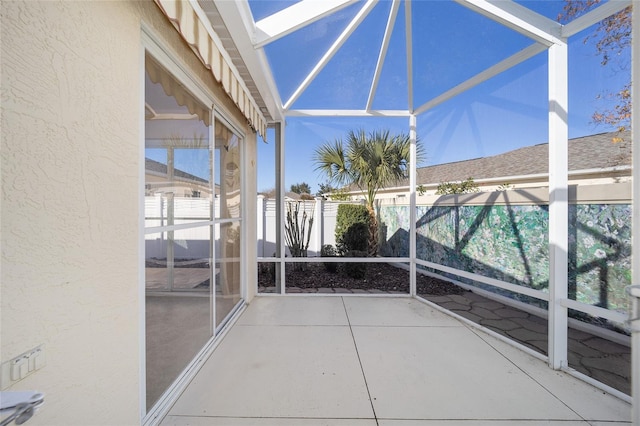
(182, 15)
(172, 88)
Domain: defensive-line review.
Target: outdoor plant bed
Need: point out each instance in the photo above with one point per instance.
(380, 277)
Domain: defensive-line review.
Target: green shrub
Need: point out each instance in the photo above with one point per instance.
(356, 270)
(348, 215)
(463, 187)
(356, 237)
(327, 250)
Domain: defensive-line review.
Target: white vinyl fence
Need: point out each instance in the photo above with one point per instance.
(194, 242)
(322, 232)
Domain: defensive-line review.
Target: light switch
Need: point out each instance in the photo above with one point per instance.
(39, 359)
(19, 368)
(33, 357)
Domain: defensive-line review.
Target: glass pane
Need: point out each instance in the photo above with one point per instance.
(600, 213)
(393, 225)
(227, 172)
(177, 158)
(228, 269)
(600, 349)
(178, 304)
(178, 191)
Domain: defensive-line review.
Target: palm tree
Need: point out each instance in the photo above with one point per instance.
(370, 162)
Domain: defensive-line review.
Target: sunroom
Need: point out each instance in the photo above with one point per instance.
(462, 79)
(506, 301)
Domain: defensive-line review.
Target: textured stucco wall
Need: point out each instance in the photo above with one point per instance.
(69, 232)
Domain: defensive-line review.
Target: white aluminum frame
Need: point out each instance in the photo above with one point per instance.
(635, 226)
(546, 35)
(558, 203)
(151, 43)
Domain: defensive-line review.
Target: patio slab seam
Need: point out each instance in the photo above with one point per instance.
(355, 346)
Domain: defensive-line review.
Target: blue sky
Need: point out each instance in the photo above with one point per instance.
(451, 44)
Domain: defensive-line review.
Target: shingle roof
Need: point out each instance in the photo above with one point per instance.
(588, 152)
(158, 167)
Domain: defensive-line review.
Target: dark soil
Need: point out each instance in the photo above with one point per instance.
(379, 276)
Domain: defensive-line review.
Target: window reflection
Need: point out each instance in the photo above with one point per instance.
(179, 206)
(228, 171)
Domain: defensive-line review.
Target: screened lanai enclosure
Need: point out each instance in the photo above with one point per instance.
(528, 102)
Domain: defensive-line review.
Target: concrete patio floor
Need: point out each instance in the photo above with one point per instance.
(389, 361)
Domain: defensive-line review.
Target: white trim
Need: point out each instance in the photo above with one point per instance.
(212, 229)
(558, 204)
(142, 347)
(604, 10)
(597, 384)
(518, 18)
(178, 227)
(345, 113)
(336, 259)
(243, 216)
(413, 155)
(357, 20)
(409, 47)
(635, 223)
(221, 114)
(393, 13)
(294, 17)
(595, 311)
(537, 294)
(388, 295)
(280, 151)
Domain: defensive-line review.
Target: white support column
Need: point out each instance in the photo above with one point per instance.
(558, 204)
(280, 249)
(413, 154)
(260, 229)
(318, 223)
(635, 223)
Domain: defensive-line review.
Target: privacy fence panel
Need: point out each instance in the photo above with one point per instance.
(510, 243)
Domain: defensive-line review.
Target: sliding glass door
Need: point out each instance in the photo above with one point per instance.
(179, 200)
(193, 225)
(228, 220)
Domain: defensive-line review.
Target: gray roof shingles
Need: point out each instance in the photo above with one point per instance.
(588, 152)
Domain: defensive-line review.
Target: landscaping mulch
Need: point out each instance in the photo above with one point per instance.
(382, 277)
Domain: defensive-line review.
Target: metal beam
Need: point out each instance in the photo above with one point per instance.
(413, 159)
(594, 16)
(295, 17)
(498, 68)
(558, 204)
(332, 51)
(407, 20)
(345, 113)
(393, 13)
(518, 18)
(635, 223)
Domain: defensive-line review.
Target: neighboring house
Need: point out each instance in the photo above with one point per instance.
(593, 160)
(182, 184)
